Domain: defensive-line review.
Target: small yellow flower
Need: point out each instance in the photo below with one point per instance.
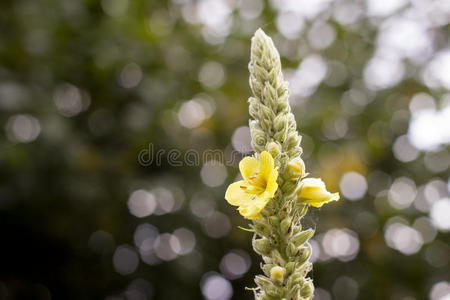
(277, 273)
(312, 191)
(257, 188)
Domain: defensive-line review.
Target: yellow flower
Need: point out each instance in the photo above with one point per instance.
(277, 273)
(312, 191)
(257, 188)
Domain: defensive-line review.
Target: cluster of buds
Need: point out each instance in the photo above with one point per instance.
(279, 237)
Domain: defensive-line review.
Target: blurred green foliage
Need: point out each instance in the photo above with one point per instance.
(86, 86)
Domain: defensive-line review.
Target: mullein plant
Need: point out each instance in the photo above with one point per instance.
(274, 192)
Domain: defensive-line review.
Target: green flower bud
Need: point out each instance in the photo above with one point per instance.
(273, 148)
(291, 249)
(303, 254)
(262, 281)
(274, 220)
(301, 237)
(262, 246)
(261, 227)
(267, 259)
(307, 289)
(273, 292)
(294, 279)
(290, 267)
(289, 187)
(266, 268)
(285, 225)
(297, 228)
(277, 258)
(292, 140)
(279, 123)
(295, 292)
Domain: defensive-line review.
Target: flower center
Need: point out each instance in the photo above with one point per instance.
(255, 184)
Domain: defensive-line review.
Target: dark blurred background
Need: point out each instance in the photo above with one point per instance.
(88, 88)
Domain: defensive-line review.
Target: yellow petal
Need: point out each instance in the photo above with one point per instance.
(248, 166)
(266, 164)
(313, 182)
(272, 185)
(315, 203)
(249, 212)
(252, 209)
(237, 196)
(313, 192)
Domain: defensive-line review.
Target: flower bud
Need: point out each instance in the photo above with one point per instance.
(261, 227)
(266, 268)
(292, 140)
(296, 168)
(296, 228)
(280, 122)
(262, 281)
(285, 225)
(273, 148)
(301, 237)
(290, 267)
(307, 289)
(295, 279)
(273, 292)
(267, 259)
(303, 254)
(291, 249)
(277, 258)
(253, 107)
(274, 220)
(277, 273)
(262, 246)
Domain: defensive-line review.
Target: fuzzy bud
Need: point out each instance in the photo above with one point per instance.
(301, 237)
(294, 279)
(293, 140)
(291, 249)
(267, 259)
(303, 254)
(262, 281)
(290, 267)
(280, 122)
(277, 258)
(273, 292)
(297, 228)
(296, 168)
(261, 227)
(273, 148)
(277, 273)
(262, 246)
(307, 289)
(274, 220)
(285, 225)
(289, 187)
(266, 268)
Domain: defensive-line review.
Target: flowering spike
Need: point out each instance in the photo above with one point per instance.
(270, 193)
